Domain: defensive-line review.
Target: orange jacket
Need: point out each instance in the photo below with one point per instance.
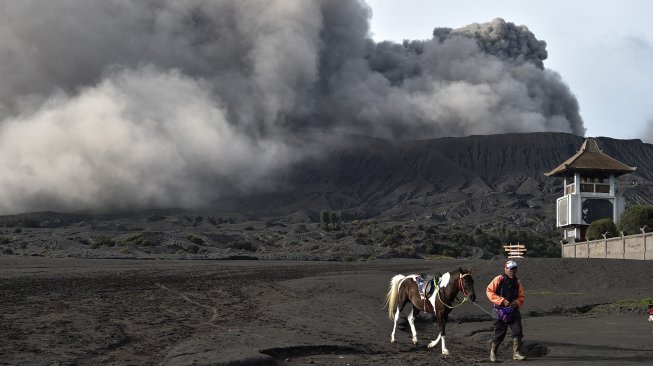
(491, 292)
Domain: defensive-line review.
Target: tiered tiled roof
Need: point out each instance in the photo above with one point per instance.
(591, 158)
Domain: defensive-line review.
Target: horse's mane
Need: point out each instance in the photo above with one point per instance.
(459, 270)
(453, 276)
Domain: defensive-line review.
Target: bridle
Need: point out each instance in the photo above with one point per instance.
(460, 287)
(460, 284)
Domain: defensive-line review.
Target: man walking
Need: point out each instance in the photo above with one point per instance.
(507, 294)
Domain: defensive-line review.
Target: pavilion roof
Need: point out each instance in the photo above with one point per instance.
(591, 158)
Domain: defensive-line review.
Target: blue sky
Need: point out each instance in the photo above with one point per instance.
(603, 50)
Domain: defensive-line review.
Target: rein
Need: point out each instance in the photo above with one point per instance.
(460, 287)
(480, 307)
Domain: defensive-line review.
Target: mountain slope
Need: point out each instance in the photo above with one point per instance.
(453, 178)
(461, 196)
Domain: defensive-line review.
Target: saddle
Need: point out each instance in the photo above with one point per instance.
(425, 284)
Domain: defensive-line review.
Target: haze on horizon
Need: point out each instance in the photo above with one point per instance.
(117, 105)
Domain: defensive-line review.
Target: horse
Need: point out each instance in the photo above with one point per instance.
(403, 289)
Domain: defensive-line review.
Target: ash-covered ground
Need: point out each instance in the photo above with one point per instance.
(171, 312)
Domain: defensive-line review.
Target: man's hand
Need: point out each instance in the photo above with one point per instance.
(514, 304)
(505, 302)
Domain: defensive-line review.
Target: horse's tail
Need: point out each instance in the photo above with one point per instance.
(393, 292)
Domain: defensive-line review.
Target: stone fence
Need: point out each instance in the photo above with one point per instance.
(638, 246)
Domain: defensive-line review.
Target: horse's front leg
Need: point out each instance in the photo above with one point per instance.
(442, 321)
(411, 321)
(433, 343)
(443, 325)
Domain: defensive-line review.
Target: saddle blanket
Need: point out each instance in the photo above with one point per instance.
(423, 286)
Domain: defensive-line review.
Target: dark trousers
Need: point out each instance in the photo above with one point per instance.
(501, 328)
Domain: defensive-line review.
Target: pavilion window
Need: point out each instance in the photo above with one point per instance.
(602, 188)
(594, 184)
(587, 187)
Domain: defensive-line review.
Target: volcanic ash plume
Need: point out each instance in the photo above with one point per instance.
(120, 104)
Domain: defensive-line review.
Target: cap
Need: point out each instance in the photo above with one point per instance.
(511, 264)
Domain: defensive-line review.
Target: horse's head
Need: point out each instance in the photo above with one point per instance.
(466, 283)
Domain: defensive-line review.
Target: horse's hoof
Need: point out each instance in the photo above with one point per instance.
(445, 352)
(431, 345)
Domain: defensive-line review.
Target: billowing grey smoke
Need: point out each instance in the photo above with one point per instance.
(501, 39)
(479, 79)
(121, 104)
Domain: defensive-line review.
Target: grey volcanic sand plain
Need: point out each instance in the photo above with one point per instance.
(135, 312)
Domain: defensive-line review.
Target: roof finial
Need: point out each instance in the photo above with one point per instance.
(590, 145)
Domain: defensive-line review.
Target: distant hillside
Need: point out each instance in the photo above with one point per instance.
(455, 197)
(462, 178)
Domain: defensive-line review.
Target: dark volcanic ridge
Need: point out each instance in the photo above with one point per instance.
(442, 197)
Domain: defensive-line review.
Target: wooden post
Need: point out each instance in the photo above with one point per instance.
(588, 249)
(623, 248)
(643, 229)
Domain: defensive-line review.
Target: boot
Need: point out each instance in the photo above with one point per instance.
(493, 352)
(516, 347)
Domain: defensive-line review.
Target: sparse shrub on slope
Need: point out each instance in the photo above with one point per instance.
(301, 228)
(101, 241)
(195, 239)
(324, 220)
(242, 245)
(635, 218)
(600, 227)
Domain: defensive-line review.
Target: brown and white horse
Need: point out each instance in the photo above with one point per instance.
(403, 289)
